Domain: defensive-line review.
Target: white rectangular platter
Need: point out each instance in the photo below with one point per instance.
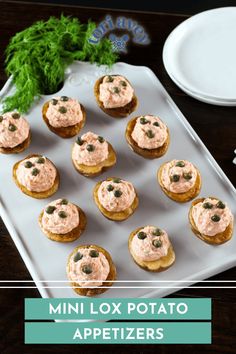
(46, 260)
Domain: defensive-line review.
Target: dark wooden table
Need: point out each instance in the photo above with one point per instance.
(215, 125)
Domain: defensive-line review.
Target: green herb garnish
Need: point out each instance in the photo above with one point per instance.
(94, 253)
(15, 115)
(220, 205)
(157, 243)
(50, 209)
(78, 257)
(116, 180)
(215, 218)
(87, 269)
(40, 160)
(54, 102)
(64, 98)
(187, 176)
(38, 56)
(117, 193)
(110, 187)
(62, 109)
(116, 89)
(12, 127)
(123, 83)
(64, 202)
(62, 214)
(35, 171)
(150, 134)
(157, 232)
(175, 178)
(142, 235)
(180, 164)
(101, 139)
(207, 205)
(110, 78)
(28, 164)
(90, 147)
(156, 124)
(143, 120)
(79, 141)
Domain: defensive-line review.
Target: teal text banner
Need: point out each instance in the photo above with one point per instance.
(118, 332)
(118, 309)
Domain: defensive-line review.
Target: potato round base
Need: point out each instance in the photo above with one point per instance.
(115, 216)
(118, 112)
(217, 239)
(152, 266)
(37, 195)
(70, 236)
(93, 171)
(18, 148)
(181, 197)
(147, 153)
(64, 132)
(104, 287)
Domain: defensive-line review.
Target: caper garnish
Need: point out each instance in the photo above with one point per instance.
(78, 257)
(175, 178)
(220, 205)
(143, 120)
(150, 134)
(157, 243)
(62, 214)
(187, 176)
(12, 127)
(50, 209)
(156, 124)
(87, 269)
(90, 147)
(215, 218)
(117, 193)
(116, 89)
(40, 160)
(64, 201)
(35, 171)
(116, 180)
(15, 115)
(110, 187)
(1, 119)
(123, 83)
(142, 235)
(64, 98)
(110, 78)
(28, 164)
(157, 232)
(180, 164)
(54, 101)
(101, 139)
(79, 141)
(62, 109)
(94, 253)
(207, 205)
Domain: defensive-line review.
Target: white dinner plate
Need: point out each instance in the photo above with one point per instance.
(203, 98)
(200, 56)
(46, 260)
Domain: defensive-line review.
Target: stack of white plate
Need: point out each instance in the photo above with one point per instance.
(200, 56)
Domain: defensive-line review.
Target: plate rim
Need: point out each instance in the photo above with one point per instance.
(201, 95)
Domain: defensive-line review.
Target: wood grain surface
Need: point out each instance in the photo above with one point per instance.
(215, 125)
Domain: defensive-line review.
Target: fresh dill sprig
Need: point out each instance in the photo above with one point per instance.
(38, 56)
